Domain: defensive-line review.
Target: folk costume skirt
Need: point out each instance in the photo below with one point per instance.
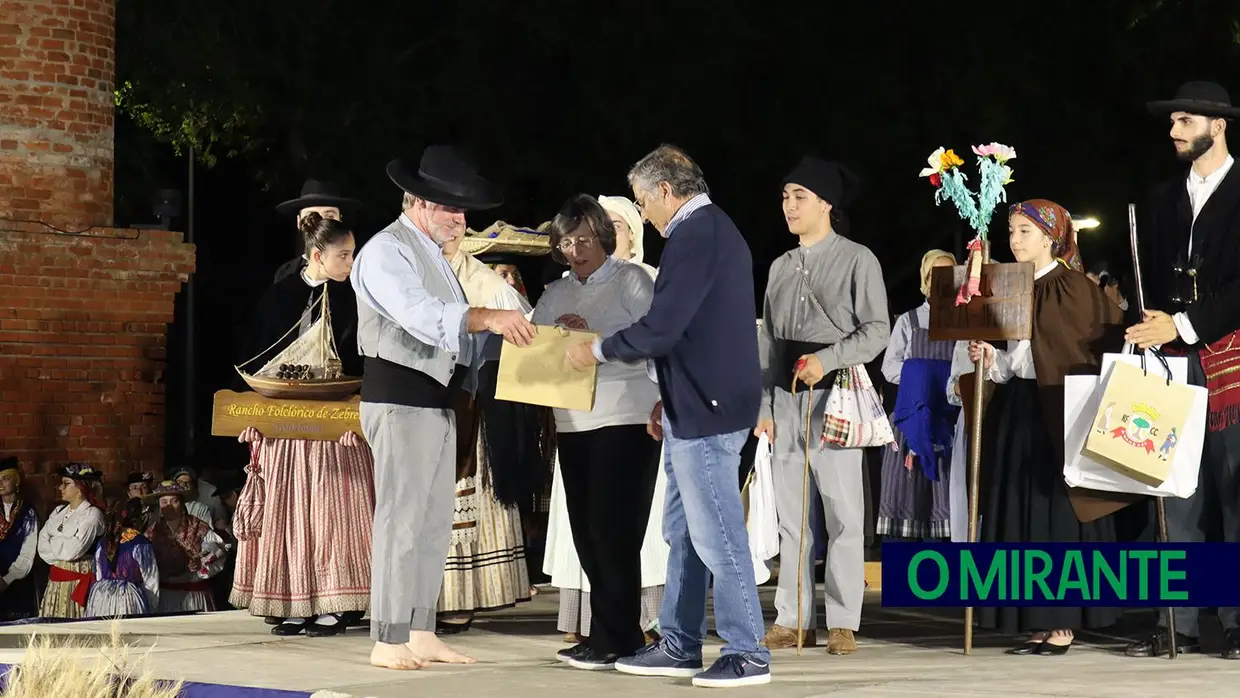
(304, 529)
(1023, 499)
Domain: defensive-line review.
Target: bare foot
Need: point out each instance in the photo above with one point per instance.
(425, 646)
(395, 657)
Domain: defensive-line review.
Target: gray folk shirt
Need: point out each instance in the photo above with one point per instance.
(831, 293)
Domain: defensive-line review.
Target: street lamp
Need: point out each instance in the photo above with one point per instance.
(1086, 223)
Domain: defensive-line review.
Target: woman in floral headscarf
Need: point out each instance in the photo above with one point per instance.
(1023, 495)
(67, 540)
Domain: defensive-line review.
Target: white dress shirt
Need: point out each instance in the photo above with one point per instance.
(1199, 191)
(25, 557)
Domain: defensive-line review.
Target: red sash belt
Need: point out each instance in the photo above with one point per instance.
(84, 581)
(197, 585)
(1220, 362)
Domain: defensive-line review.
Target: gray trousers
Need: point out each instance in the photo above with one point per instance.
(415, 471)
(837, 474)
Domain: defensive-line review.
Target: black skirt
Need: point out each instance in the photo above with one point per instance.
(1023, 499)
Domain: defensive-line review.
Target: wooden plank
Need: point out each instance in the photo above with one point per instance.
(1002, 310)
(284, 419)
(873, 576)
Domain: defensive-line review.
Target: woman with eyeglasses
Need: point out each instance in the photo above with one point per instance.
(608, 462)
(560, 560)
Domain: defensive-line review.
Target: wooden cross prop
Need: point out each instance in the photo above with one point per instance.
(1001, 311)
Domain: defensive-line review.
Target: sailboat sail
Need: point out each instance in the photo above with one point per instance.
(313, 349)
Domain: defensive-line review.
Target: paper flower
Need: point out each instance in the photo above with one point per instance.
(940, 161)
(976, 208)
(1001, 153)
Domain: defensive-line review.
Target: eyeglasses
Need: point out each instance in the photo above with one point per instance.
(584, 242)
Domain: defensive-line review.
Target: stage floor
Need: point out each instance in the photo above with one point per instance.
(901, 653)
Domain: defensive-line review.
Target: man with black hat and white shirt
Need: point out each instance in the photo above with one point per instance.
(825, 310)
(1191, 275)
(318, 197)
(418, 336)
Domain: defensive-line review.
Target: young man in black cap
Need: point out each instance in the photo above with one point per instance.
(825, 310)
(318, 197)
(1191, 273)
(417, 334)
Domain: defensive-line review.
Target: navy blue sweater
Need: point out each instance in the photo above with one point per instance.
(700, 330)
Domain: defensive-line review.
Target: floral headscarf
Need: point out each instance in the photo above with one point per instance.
(1056, 222)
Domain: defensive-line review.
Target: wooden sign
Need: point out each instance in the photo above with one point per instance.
(1001, 311)
(284, 419)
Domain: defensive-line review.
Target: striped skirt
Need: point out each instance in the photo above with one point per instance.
(912, 505)
(57, 598)
(304, 524)
(486, 568)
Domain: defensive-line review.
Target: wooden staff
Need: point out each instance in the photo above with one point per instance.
(1159, 507)
(809, 436)
(975, 460)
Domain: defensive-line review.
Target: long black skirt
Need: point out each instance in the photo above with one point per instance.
(1023, 499)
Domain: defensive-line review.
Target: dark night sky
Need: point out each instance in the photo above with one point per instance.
(557, 97)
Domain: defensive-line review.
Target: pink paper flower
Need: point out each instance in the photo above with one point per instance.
(1001, 153)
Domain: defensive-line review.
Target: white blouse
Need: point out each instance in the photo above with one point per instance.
(70, 534)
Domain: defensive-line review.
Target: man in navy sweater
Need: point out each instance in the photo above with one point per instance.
(700, 334)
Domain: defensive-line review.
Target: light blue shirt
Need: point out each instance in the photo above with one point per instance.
(386, 276)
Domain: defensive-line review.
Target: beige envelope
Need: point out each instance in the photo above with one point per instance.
(540, 375)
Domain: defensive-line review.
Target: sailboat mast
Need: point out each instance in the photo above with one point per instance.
(327, 325)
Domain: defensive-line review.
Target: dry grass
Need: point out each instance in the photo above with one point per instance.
(75, 669)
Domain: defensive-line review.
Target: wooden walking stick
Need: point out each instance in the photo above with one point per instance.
(809, 432)
(1160, 508)
(975, 462)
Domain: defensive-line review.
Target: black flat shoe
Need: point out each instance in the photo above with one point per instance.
(272, 620)
(288, 629)
(353, 619)
(1025, 648)
(1046, 649)
(445, 628)
(316, 630)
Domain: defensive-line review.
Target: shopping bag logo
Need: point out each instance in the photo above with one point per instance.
(1138, 426)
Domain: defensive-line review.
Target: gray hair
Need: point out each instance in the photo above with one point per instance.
(407, 201)
(670, 164)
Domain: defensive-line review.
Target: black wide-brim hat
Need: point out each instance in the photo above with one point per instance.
(446, 176)
(317, 193)
(1201, 98)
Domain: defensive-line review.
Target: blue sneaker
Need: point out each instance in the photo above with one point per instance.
(733, 670)
(656, 659)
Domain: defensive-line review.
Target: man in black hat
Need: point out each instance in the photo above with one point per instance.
(318, 197)
(418, 336)
(1191, 273)
(825, 310)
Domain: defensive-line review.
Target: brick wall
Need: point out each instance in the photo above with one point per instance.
(57, 71)
(82, 347)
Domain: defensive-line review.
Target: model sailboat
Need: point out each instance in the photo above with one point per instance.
(308, 369)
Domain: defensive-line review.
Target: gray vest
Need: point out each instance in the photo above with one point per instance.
(379, 337)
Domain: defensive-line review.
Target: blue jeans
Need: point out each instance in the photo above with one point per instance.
(704, 525)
